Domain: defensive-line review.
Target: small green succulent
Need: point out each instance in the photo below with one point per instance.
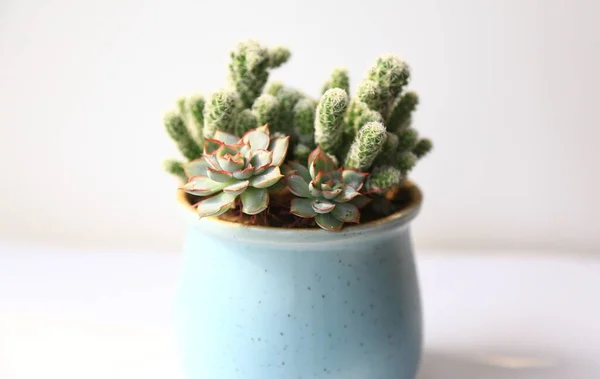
(231, 166)
(325, 192)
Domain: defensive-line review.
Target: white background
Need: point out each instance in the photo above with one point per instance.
(509, 94)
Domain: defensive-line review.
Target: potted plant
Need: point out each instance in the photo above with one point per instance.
(298, 260)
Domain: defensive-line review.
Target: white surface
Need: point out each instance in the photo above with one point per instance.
(70, 315)
(509, 92)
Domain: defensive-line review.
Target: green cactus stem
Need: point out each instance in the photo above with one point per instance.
(339, 79)
(358, 115)
(220, 113)
(180, 134)
(288, 98)
(248, 70)
(273, 88)
(401, 112)
(245, 121)
(278, 55)
(266, 110)
(369, 93)
(367, 144)
(194, 106)
(176, 168)
(422, 148)
(390, 146)
(407, 139)
(405, 162)
(329, 119)
(391, 74)
(383, 179)
(301, 153)
(304, 122)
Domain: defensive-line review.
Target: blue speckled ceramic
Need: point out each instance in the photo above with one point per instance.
(269, 303)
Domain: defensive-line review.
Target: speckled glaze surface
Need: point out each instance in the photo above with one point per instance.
(267, 303)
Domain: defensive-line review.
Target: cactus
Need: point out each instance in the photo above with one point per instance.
(301, 153)
(371, 132)
(288, 98)
(178, 131)
(422, 148)
(245, 121)
(194, 107)
(390, 74)
(304, 122)
(176, 168)
(266, 109)
(405, 162)
(407, 139)
(232, 167)
(324, 192)
(383, 179)
(403, 107)
(329, 118)
(278, 55)
(367, 144)
(220, 112)
(369, 93)
(339, 79)
(274, 88)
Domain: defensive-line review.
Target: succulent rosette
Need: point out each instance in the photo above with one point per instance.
(233, 167)
(325, 192)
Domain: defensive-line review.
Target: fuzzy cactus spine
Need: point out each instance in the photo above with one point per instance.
(266, 110)
(248, 70)
(278, 55)
(288, 98)
(384, 178)
(390, 73)
(176, 168)
(220, 112)
(401, 112)
(329, 118)
(367, 145)
(304, 122)
(245, 121)
(178, 131)
(339, 79)
(422, 148)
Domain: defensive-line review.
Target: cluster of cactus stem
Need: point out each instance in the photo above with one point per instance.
(370, 131)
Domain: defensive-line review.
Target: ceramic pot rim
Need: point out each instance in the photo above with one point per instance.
(236, 230)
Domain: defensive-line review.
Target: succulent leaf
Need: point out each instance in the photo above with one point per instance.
(220, 176)
(237, 188)
(346, 212)
(254, 200)
(269, 177)
(203, 186)
(226, 138)
(300, 170)
(348, 193)
(244, 174)
(354, 178)
(257, 139)
(303, 208)
(197, 167)
(216, 205)
(298, 186)
(211, 145)
(329, 222)
(279, 147)
(322, 206)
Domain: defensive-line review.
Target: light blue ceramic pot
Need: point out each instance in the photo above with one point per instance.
(272, 303)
